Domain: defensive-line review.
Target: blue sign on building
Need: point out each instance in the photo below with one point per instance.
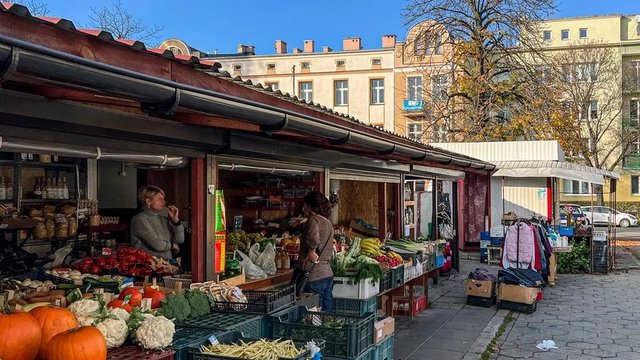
(413, 105)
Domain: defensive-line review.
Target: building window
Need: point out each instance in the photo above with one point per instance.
(237, 67)
(584, 33)
(544, 73)
(634, 112)
(306, 91)
(589, 111)
(341, 96)
(271, 66)
(635, 185)
(175, 50)
(273, 85)
(574, 187)
(587, 72)
(564, 34)
(440, 87)
(414, 88)
(376, 61)
(414, 131)
(428, 43)
(305, 65)
(634, 74)
(377, 91)
(340, 63)
(546, 35)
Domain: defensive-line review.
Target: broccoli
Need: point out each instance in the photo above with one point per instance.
(176, 307)
(199, 303)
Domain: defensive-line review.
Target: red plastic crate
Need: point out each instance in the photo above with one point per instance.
(135, 352)
(418, 305)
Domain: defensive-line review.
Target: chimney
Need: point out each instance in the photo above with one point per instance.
(349, 44)
(388, 41)
(281, 47)
(246, 49)
(309, 46)
(297, 50)
(326, 49)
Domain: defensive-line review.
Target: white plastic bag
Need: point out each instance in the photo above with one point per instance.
(267, 260)
(254, 252)
(251, 270)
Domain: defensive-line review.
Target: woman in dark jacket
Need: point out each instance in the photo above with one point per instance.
(316, 248)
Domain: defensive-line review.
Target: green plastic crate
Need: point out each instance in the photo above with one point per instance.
(384, 350)
(369, 354)
(185, 337)
(249, 325)
(355, 307)
(346, 336)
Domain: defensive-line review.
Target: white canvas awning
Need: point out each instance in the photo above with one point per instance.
(559, 169)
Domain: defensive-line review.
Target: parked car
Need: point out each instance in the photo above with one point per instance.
(603, 215)
(578, 215)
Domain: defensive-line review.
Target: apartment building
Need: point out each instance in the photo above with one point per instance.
(353, 81)
(620, 35)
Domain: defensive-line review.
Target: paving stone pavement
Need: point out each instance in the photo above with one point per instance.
(588, 317)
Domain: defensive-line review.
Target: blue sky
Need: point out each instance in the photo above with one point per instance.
(209, 25)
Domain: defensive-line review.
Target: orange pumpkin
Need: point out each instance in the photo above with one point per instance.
(20, 336)
(156, 296)
(53, 320)
(81, 343)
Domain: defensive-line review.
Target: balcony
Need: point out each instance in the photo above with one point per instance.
(631, 124)
(412, 105)
(631, 162)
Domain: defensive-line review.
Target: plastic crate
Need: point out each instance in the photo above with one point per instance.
(350, 340)
(235, 338)
(369, 354)
(344, 287)
(355, 307)
(261, 302)
(385, 283)
(185, 337)
(384, 350)
(134, 352)
(250, 325)
(397, 276)
(486, 302)
(417, 305)
(523, 308)
(410, 273)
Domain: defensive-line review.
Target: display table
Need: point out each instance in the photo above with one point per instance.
(281, 277)
(553, 263)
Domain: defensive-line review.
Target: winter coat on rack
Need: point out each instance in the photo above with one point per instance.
(519, 248)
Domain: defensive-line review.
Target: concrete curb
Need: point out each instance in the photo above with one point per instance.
(480, 345)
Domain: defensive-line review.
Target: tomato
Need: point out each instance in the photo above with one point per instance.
(156, 296)
(87, 260)
(100, 261)
(119, 304)
(135, 296)
(95, 269)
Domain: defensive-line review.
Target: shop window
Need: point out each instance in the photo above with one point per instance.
(546, 35)
(440, 87)
(635, 185)
(414, 88)
(415, 131)
(274, 85)
(584, 33)
(564, 34)
(377, 91)
(574, 187)
(306, 91)
(341, 93)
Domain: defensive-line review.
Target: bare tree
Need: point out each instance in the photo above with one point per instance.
(36, 8)
(488, 44)
(122, 24)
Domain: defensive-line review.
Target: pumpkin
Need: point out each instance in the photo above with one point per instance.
(81, 343)
(156, 296)
(53, 320)
(20, 333)
(117, 303)
(135, 298)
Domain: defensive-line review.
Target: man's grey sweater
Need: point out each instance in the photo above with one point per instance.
(152, 232)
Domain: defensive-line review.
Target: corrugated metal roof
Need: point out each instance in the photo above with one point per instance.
(547, 168)
(508, 150)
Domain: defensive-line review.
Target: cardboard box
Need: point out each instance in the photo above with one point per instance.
(518, 294)
(481, 288)
(383, 328)
(234, 281)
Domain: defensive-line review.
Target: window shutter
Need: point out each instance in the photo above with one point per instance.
(634, 185)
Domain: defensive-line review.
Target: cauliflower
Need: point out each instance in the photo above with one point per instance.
(155, 333)
(120, 313)
(115, 331)
(85, 310)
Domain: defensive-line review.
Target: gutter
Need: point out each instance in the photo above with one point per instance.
(161, 96)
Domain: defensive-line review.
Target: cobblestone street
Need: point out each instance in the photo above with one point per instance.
(588, 317)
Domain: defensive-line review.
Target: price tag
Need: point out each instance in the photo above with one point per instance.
(213, 340)
(146, 304)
